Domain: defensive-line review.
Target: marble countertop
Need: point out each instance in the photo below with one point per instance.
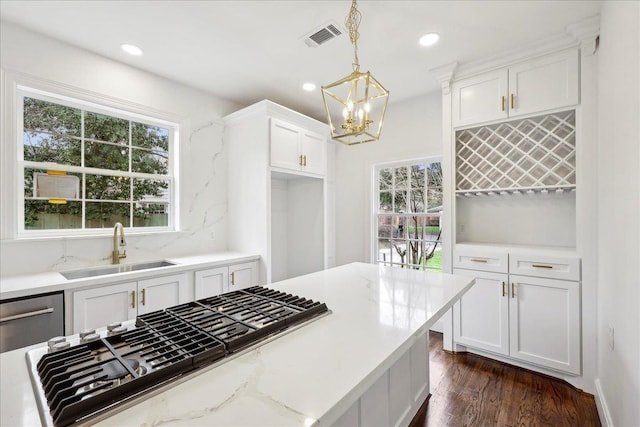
(309, 375)
(33, 284)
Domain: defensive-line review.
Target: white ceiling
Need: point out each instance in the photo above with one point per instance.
(247, 51)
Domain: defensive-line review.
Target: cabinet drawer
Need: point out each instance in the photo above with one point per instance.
(496, 262)
(565, 268)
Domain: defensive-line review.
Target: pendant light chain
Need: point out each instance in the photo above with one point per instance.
(353, 23)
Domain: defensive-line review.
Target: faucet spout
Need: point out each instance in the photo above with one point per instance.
(116, 255)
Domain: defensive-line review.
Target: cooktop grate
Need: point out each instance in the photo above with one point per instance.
(88, 378)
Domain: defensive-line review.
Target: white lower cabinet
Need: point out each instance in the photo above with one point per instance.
(216, 281)
(395, 397)
(526, 318)
(545, 322)
(97, 307)
(482, 314)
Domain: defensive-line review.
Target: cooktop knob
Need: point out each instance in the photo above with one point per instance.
(59, 346)
(87, 332)
(114, 325)
(55, 340)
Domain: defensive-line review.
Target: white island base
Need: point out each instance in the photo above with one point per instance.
(364, 364)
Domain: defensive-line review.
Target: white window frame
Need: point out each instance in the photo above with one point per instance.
(15, 87)
(375, 186)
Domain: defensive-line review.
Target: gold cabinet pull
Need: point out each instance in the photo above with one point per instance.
(504, 98)
(233, 278)
(513, 290)
(479, 260)
(541, 266)
(513, 101)
(504, 289)
(133, 299)
(304, 160)
(144, 296)
(300, 160)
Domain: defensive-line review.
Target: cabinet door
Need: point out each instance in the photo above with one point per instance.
(543, 84)
(243, 275)
(284, 145)
(480, 98)
(97, 307)
(545, 322)
(211, 282)
(313, 148)
(162, 292)
(481, 317)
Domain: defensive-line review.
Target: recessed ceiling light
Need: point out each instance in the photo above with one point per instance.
(131, 49)
(429, 39)
(309, 87)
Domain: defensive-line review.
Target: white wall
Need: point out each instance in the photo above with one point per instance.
(203, 159)
(412, 129)
(619, 213)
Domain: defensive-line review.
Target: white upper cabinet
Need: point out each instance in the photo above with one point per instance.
(297, 149)
(546, 83)
(480, 98)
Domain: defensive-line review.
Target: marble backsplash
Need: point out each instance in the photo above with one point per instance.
(203, 217)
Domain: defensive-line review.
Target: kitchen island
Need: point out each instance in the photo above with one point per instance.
(366, 360)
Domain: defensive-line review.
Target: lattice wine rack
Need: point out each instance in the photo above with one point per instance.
(531, 155)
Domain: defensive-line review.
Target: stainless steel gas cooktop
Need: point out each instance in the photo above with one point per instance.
(74, 383)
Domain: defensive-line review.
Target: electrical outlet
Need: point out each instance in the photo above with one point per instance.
(611, 335)
(460, 228)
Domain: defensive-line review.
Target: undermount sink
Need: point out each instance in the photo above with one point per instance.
(113, 269)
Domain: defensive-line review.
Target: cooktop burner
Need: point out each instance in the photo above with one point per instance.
(86, 379)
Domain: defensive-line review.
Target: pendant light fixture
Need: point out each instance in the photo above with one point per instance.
(355, 104)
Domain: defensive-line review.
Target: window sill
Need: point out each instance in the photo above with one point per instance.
(90, 235)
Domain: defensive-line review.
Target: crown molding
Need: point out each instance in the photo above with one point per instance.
(444, 75)
(581, 35)
(586, 32)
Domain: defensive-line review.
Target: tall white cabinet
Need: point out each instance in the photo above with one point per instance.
(518, 172)
(280, 189)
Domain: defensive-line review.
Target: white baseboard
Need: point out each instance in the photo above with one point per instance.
(601, 405)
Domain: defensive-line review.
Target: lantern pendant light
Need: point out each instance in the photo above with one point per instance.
(355, 104)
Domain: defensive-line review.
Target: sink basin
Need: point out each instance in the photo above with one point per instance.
(113, 269)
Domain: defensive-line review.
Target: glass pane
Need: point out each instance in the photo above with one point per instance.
(434, 200)
(399, 251)
(416, 200)
(104, 187)
(385, 226)
(386, 178)
(384, 250)
(49, 117)
(434, 258)
(151, 215)
(150, 191)
(399, 227)
(432, 228)
(151, 137)
(153, 162)
(37, 183)
(400, 177)
(417, 176)
(400, 202)
(105, 214)
(416, 227)
(48, 147)
(42, 215)
(434, 174)
(106, 156)
(106, 128)
(385, 202)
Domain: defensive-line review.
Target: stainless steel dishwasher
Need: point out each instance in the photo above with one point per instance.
(30, 320)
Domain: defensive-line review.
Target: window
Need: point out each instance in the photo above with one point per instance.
(84, 167)
(407, 214)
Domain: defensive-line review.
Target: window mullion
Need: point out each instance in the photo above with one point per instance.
(84, 175)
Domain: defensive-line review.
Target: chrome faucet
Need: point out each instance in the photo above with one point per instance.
(116, 255)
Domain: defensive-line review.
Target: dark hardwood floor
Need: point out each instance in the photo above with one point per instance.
(470, 390)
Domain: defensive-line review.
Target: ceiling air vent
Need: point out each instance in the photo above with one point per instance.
(322, 35)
